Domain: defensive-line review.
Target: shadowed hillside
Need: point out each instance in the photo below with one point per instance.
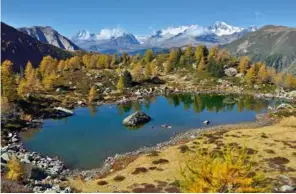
(19, 47)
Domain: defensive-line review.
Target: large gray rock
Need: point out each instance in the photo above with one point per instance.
(230, 72)
(6, 156)
(60, 112)
(136, 118)
(284, 106)
(292, 94)
(286, 188)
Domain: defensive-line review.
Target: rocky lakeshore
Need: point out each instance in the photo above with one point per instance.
(42, 173)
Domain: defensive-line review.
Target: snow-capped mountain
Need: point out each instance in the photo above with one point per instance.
(221, 28)
(112, 39)
(106, 39)
(50, 36)
(84, 35)
(218, 33)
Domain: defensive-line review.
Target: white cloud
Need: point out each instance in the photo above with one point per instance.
(108, 33)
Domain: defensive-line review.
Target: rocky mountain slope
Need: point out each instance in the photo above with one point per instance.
(274, 44)
(19, 47)
(50, 36)
(118, 40)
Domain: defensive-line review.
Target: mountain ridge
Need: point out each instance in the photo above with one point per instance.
(218, 33)
(48, 35)
(20, 47)
(276, 45)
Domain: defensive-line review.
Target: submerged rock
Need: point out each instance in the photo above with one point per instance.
(228, 100)
(136, 118)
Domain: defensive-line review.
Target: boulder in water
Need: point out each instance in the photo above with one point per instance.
(60, 112)
(206, 122)
(136, 118)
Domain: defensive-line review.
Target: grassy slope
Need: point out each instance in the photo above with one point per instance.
(273, 44)
(271, 141)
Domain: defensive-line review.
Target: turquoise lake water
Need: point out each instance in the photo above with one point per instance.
(85, 139)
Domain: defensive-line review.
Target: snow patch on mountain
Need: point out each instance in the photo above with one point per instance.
(221, 28)
(83, 35)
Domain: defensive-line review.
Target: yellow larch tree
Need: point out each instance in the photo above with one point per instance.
(137, 71)
(120, 83)
(262, 76)
(48, 81)
(243, 64)
(279, 79)
(202, 65)
(92, 94)
(251, 75)
(8, 81)
(290, 81)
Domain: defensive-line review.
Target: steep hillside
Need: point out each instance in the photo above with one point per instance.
(274, 44)
(19, 47)
(50, 36)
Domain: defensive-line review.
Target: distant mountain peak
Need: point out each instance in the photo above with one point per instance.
(83, 35)
(172, 36)
(49, 35)
(221, 28)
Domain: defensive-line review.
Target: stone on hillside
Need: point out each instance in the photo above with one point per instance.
(6, 156)
(239, 75)
(220, 81)
(284, 106)
(81, 103)
(99, 84)
(268, 95)
(138, 93)
(286, 188)
(230, 72)
(292, 94)
(136, 118)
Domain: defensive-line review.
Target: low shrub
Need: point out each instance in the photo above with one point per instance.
(232, 171)
(16, 169)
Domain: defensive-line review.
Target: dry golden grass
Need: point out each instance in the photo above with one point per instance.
(288, 122)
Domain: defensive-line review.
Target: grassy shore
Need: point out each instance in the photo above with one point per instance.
(273, 148)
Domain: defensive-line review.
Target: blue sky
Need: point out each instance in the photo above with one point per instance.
(141, 17)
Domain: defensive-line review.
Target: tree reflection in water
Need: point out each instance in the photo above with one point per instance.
(201, 102)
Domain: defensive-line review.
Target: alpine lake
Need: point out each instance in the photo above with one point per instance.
(93, 133)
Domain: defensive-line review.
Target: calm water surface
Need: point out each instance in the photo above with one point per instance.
(94, 133)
